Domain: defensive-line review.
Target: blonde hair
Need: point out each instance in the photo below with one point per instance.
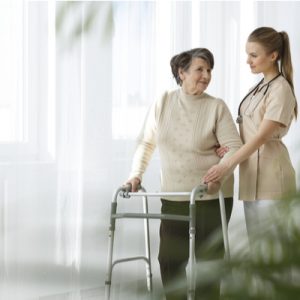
(273, 40)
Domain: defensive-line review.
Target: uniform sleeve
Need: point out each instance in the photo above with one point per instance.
(146, 141)
(226, 132)
(280, 105)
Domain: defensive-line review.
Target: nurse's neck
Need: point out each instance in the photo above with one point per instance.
(270, 74)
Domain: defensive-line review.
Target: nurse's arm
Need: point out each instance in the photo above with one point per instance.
(265, 132)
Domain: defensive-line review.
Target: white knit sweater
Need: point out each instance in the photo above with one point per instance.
(186, 129)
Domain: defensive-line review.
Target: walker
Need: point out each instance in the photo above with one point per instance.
(123, 192)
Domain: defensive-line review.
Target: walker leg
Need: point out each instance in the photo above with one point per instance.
(109, 265)
(224, 225)
(147, 246)
(191, 265)
(111, 245)
(192, 232)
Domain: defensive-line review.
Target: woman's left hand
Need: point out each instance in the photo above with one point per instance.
(216, 173)
(221, 150)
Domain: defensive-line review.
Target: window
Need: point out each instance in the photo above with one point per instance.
(27, 74)
(12, 34)
(141, 54)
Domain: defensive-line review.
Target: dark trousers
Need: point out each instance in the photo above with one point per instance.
(174, 245)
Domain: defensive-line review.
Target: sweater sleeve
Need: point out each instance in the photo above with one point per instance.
(146, 141)
(226, 133)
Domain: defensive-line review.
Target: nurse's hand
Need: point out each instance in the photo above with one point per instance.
(216, 173)
(134, 182)
(213, 187)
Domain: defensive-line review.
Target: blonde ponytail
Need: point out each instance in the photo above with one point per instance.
(286, 66)
(272, 41)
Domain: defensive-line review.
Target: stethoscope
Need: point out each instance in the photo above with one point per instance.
(255, 90)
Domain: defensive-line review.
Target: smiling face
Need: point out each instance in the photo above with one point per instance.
(259, 60)
(196, 79)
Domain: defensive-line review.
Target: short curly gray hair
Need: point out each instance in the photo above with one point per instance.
(184, 59)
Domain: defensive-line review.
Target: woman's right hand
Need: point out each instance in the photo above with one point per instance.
(134, 182)
(216, 172)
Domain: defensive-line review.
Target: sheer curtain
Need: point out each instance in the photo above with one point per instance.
(88, 72)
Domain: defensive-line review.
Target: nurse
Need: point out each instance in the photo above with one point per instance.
(264, 117)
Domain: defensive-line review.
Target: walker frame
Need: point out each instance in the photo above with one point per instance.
(124, 192)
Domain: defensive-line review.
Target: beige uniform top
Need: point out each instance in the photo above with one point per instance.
(268, 173)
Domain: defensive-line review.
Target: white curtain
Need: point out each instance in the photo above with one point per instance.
(86, 78)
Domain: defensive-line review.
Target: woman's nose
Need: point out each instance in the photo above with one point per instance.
(206, 74)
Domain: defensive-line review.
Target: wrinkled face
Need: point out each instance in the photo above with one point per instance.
(258, 59)
(196, 79)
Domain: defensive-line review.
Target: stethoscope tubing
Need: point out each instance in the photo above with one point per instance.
(255, 90)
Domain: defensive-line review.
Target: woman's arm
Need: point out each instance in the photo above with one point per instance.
(266, 130)
(143, 153)
(146, 144)
(226, 133)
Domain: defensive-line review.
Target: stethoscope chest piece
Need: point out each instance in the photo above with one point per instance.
(239, 119)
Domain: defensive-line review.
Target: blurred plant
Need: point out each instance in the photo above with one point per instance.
(73, 18)
(270, 270)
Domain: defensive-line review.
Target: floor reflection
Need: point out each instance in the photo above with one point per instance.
(88, 294)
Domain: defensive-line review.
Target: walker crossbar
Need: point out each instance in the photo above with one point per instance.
(200, 193)
(130, 259)
(124, 192)
(150, 216)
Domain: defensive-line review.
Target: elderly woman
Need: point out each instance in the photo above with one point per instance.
(186, 124)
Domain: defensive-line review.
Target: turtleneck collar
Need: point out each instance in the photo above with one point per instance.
(186, 97)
